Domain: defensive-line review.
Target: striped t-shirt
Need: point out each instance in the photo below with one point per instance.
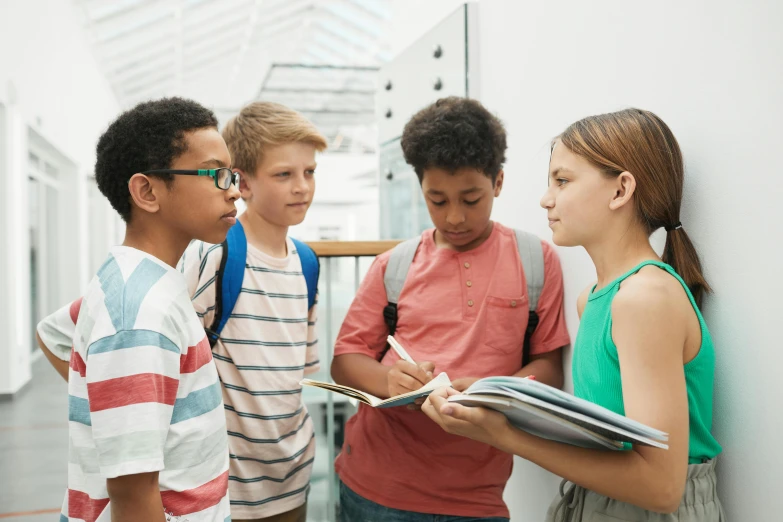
(144, 394)
(266, 347)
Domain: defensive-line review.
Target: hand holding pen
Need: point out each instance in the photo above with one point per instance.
(406, 375)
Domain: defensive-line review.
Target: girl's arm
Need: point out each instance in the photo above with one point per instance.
(649, 329)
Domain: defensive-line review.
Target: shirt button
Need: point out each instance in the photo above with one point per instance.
(348, 449)
(469, 283)
(513, 304)
(470, 303)
(467, 265)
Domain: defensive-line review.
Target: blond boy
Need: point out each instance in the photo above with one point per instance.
(270, 341)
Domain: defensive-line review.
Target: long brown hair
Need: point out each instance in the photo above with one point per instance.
(639, 142)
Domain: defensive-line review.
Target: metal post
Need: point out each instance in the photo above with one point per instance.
(356, 274)
(331, 511)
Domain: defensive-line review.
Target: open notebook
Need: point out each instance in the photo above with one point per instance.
(554, 414)
(441, 381)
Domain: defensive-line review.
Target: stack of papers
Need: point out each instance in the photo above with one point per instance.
(553, 414)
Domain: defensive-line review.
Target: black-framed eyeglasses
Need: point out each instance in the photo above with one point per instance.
(224, 177)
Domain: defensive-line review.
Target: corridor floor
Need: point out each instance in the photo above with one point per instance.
(34, 448)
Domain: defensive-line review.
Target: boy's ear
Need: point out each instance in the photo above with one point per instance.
(499, 183)
(625, 186)
(145, 192)
(244, 189)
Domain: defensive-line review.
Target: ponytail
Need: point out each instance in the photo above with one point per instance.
(681, 255)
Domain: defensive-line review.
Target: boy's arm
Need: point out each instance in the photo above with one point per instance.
(59, 365)
(361, 340)
(361, 372)
(135, 497)
(546, 367)
(199, 265)
(54, 335)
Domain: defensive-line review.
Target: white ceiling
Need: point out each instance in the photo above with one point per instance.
(317, 56)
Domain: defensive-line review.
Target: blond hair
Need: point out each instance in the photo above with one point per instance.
(261, 124)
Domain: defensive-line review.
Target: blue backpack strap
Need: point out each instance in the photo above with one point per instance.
(228, 280)
(310, 268)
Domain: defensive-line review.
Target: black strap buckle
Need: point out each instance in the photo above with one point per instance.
(532, 323)
(390, 317)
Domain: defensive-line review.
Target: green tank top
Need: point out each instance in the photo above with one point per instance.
(596, 368)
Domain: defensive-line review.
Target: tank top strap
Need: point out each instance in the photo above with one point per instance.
(670, 270)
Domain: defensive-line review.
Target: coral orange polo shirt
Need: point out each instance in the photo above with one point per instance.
(467, 312)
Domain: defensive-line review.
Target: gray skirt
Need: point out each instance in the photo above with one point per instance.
(699, 503)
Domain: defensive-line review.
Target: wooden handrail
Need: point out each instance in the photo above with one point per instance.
(351, 248)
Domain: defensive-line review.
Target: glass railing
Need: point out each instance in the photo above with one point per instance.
(343, 265)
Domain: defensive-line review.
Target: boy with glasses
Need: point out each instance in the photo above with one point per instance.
(146, 425)
(269, 340)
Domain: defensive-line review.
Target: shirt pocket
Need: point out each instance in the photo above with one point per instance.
(506, 321)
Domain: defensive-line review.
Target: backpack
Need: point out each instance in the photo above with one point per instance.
(228, 280)
(530, 253)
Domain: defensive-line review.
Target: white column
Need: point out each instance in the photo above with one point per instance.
(15, 327)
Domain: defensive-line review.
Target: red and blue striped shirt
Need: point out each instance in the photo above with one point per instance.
(144, 394)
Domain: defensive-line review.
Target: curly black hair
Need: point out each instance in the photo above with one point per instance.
(454, 133)
(149, 136)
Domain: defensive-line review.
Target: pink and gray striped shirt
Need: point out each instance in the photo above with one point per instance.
(267, 346)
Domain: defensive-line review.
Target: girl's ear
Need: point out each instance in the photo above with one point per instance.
(625, 186)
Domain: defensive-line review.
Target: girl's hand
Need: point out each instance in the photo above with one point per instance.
(480, 424)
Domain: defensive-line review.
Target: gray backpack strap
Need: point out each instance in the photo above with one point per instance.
(400, 262)
(397, 270)
(531, 253)
(532, 256)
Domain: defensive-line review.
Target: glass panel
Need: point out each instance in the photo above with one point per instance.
(34, 161)
(33, 189)
(50, 170)
(98, 226)
(403, 208)
(401, 220)
(50, 213)
(423, 217)
(343, 286)
(44, 277)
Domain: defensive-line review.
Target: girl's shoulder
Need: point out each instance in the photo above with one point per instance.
(652, 294)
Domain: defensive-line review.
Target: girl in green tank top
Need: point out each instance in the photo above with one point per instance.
(643, 349)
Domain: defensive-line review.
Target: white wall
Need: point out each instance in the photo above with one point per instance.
(712, 71)
(45, 54)
(48, 82)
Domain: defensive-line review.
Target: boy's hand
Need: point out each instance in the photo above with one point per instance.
(405, 377)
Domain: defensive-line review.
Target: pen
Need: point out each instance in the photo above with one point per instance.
(399, 349)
